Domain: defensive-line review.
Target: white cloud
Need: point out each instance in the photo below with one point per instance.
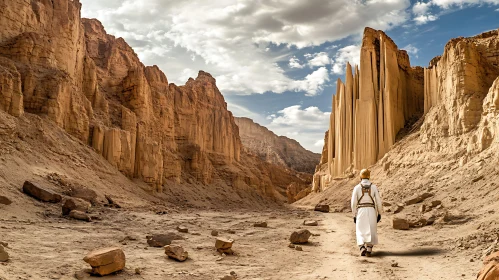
(421, 8)
(313, 83)
(497, 10)
(188, 73)
(319, 143)
(231, 39)
(318, 59)
(346, 54)
(411, 50)
(295, 63)
(445, 4)
(423, 19)
(305, 125)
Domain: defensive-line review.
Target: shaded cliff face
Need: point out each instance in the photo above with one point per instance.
(370, 108)
(93, 85)
(278, 150)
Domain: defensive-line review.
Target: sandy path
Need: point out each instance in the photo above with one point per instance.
(53, 247)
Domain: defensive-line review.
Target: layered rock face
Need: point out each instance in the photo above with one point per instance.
(275, 149)
(457, 83)
(371, 107)
(93, 85)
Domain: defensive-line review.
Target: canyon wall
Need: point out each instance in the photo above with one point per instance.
(278, 150)
(93, 85)
(371, 107)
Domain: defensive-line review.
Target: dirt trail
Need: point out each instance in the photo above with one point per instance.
(52, 247)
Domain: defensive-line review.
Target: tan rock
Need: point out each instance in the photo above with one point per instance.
(322, 208)
(182, 229)
(79, 215)
(161, 240)
(310, 223)
(106, 260)
(176, 252)
(417, 199)
(5, 200)
(400, 223)
(42, 194)
(260, 224)
(224, 246)
(75, 204)
(300, 237)
(4, 256)
(490, 270)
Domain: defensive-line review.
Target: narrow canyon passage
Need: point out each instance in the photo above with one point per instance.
(261, 253)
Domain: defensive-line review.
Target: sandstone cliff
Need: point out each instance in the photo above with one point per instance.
(93, 85)
(371, 107)
(278, 150)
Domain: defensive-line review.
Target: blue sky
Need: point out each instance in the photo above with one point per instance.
(277, 61)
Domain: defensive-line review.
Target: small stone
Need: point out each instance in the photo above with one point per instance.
(400, 223)
(310, 223)
(233, 273)
(182, 229)
(224, 246)
(176, 252)
(291, 245)
(228, 277)
(75, 204)
(322, 208)
(161, 240)
(5, 200)
(138, 271)
(300, 237)
(4, 256)
(397, 208)
(106, 261)
(435, 203)
(214, 233)
(78, 215)
(395, 264)
(298, 248)
(260, 224)
(386, 203)
(363, 270)
(231, 231)
(40, 193)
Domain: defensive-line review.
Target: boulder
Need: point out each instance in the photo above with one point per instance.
(417, 199)
(182, 229)
(490, 270)
(4, 256)
(421, 222)
(176, 252)
(79, 215)
(224, 245)
(40, 193)
(161, 240)
(214, 233)
(260, 224)
(300, 237)
(310, 223)
(322, 208)
(397, 208)
(436, 203)
(5, 200)
(75, 204)
(106, 260)
(86, 194)
(400, 223)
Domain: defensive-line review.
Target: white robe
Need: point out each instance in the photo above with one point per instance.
(366, 226)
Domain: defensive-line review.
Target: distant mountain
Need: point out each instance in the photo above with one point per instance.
(275, 149)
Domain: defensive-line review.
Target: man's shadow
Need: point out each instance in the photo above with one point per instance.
(409, 253)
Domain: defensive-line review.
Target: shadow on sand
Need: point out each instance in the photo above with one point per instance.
(410, 253)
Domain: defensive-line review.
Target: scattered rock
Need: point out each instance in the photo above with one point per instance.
(395, 264)
(182, 229)
(430, 218)
(231, 231)
(310, 223)
(75, 204)
(298, 248)
(300, 237)
(418, 199)
(106, 260)
(387, 204)
(260, 224)
(4, 256)
(422, 208)
(138, 271)
(291, 245)
(161, 240)
(5, 200)
(214, 233)
(397, 208)
(477, 179)
(228, 277)
(224, 246)
(85, 194)
(490, 270)
(436, 203)
(176, 252)
(78, 215)
(400, 223)
(40, 193)
(421, 222)
(322, 208)
(111, 202)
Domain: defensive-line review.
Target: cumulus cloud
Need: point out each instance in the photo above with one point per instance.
(305, 125)
(233, 41)
(295, 63)
(423, 19)
(346, 54)
(318, 59)
(319, 143)
(423, 10)
(445, 4)
(313, 83)
(411, 50)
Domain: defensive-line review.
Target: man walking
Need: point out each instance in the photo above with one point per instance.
(366, 207)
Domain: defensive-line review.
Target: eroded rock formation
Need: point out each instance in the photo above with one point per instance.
(93, 85)
(275, 149)
(371, 107)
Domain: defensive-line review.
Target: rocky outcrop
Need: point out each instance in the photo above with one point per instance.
(93, 85)
(371, 107)
(279, 150)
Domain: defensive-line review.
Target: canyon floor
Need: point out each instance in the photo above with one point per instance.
(48, 246)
